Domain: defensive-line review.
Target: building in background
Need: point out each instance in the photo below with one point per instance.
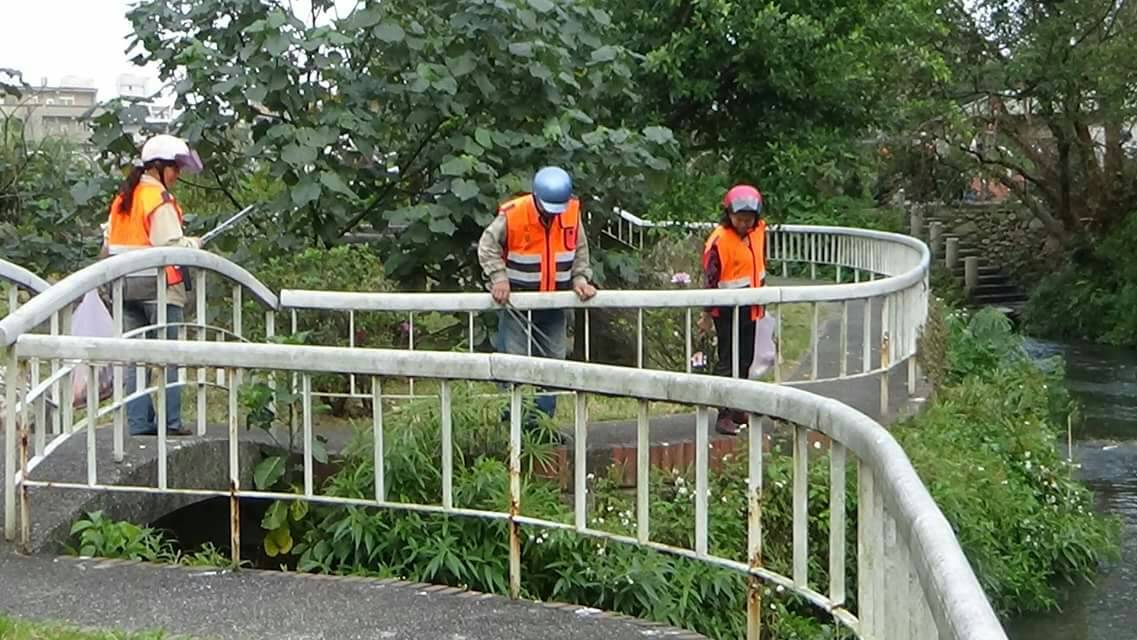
(54, 111)
(160, 110)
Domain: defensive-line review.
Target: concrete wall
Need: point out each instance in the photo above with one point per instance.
(1008, 235)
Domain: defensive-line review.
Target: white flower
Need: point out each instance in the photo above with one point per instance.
(1028, 465)
(817, 444)
(781, 588)
(1027, 454)
(591, 476)
(679, 481)
(682, 491)
(980, 469)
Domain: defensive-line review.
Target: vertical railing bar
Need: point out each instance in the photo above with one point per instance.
(754, 528)
(515, 492)
(199, 276)
(66, 405)
(837, 480)
(411, 322)
(377, 437)
(801, 506)
(351, 345)
(587, 336)
(238, 330)
(41, 410)
(734, 346)
(815, 340)
(640, 338)
(11, 373)
(580, 461)
(885, 357)
(234, 476)
(306, 399)
(529, 333)
(56, 398)
(778, 345)
(867, 336)
(447, 448)
(865, 560)
(161, 406)
(117, 323)
(92, 422)
(702, 444)
(878, 573)
(471, 327)
(844, 338)
(813, 256)
(687, 339)
(643, 474)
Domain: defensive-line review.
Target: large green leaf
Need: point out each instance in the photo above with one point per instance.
(389, 32)
(334, 182)
(268, 472)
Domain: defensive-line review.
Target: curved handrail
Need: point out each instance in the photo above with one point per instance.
(20, 276)
(55, 298)
(958, 605)
(675, 298)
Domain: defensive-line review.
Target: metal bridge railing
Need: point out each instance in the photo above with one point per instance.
(49, 420)
(912, 579)
(879, 287)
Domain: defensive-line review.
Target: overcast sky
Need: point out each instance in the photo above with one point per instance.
(79, 38)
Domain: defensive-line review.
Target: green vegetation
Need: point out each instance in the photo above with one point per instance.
(1093, 296)
(13, 629)
(98, 536)
(985, 449)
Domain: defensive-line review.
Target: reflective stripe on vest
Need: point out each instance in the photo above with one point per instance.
(131, 231)
(743, 264)
(539, 258)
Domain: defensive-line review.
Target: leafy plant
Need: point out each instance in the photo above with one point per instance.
(98, 536)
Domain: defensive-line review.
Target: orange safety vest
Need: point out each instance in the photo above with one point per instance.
(539, 258)
(131, 230)
(743, 264)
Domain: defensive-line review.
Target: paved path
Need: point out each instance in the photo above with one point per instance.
(250, 605)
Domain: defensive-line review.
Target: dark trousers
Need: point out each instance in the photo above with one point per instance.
(724, 329)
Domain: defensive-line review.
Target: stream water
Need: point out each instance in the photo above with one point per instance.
(1104, 381)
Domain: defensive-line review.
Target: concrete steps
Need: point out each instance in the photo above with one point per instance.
(994, 288)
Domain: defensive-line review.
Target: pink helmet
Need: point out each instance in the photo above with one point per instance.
(743, 198)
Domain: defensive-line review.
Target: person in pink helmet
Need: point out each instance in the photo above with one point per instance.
(734, 257)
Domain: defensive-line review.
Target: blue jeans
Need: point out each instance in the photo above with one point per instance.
(513, 338)
(141, 418)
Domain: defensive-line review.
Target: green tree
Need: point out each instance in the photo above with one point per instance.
(783, 93)
(402, 115)
(1047, 90)
(49, 212)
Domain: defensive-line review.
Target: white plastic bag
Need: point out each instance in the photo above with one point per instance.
(91, 319)
(764, 351)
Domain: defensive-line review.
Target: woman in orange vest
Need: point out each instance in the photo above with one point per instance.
(734, 257)
(145, 214)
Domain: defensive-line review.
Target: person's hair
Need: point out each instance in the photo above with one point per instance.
(126, 190)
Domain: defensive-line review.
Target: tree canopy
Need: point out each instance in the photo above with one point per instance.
(403, 115)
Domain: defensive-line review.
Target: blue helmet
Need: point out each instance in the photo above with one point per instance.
(552, 188)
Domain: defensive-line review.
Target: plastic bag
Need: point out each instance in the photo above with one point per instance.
(91, 319)
(764, 350)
